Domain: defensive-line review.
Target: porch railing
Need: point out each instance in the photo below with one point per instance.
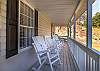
(63, 37)
(87, 59)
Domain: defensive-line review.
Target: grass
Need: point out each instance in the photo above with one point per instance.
(96, 38)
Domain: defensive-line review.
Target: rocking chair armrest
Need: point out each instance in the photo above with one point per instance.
(42, 51)
(52, 48)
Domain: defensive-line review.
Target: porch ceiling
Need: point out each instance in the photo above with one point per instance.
(59, 11)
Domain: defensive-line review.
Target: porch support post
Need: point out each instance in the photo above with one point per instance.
(70, 27)
(89, 25)
(74, 26)
(89, 31)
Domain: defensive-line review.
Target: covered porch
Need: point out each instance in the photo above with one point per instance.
(30, 18)
(68, 63)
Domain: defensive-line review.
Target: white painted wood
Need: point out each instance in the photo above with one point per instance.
(59, 11)
(42, 48)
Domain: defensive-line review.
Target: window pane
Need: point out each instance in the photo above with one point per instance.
(29, 21)
(21, 32)
(21, 19)
(21, 7)
(96, 25)
(29, 35)
(25, 20)
(26, 10)
(21, 36)
(25, 42)
(31, 13)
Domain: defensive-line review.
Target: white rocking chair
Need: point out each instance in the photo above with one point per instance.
(58, 42)
(54, 44)
(45, 49)
(41, 52)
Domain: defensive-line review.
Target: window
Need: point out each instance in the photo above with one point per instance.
(26, 25)
(96, 25)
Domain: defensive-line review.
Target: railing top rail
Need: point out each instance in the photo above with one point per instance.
(63, 36)
(90, 51)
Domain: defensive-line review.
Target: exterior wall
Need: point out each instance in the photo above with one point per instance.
(2, 30)
(44, 24)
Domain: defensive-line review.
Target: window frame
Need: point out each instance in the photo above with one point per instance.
(32, 18)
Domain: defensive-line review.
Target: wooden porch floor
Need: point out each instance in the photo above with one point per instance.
(68, 63)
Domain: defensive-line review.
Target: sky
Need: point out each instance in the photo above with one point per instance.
(95, 7)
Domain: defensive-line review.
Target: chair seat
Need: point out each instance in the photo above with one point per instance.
(53, 56)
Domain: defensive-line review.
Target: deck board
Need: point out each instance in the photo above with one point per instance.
(67, 61)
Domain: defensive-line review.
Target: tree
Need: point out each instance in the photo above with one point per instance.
(85, 23)
(96, 20)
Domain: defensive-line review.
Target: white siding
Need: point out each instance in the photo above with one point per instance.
(44, 24)
(2, 30)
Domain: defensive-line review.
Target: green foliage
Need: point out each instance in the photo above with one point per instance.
(85, 23)
(96, 20)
